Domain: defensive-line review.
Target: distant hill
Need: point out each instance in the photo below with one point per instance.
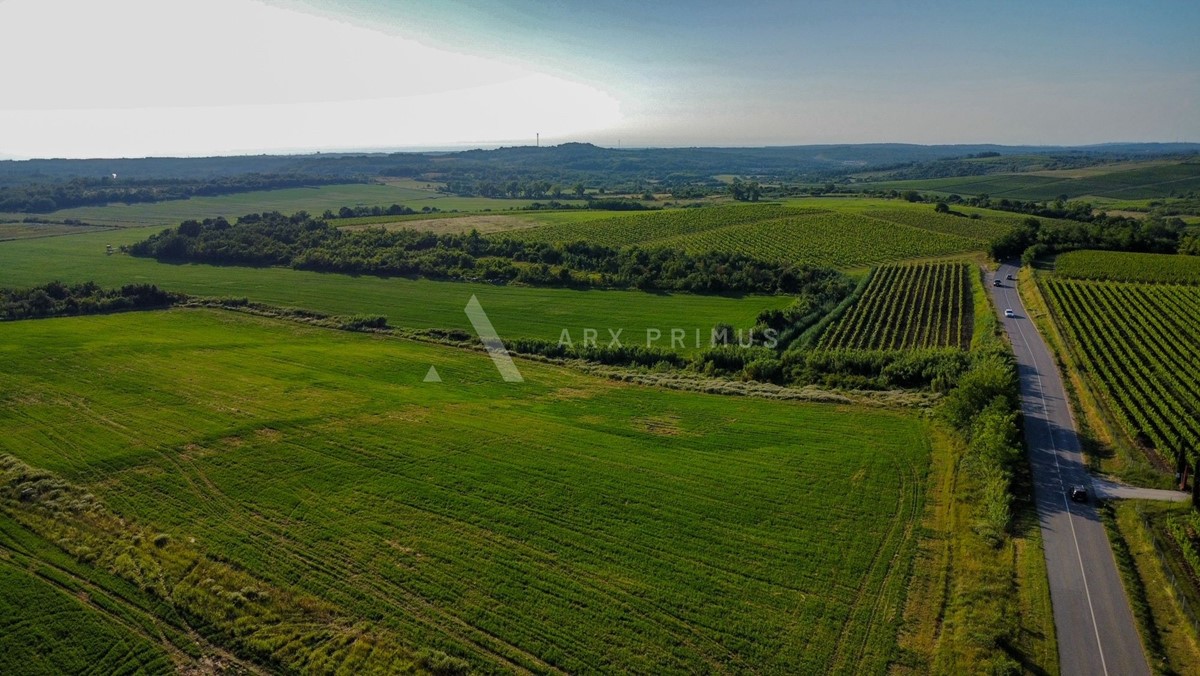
(574, 161)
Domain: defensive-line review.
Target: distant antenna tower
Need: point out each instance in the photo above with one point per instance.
(539, 139)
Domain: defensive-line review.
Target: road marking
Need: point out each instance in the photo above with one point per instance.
(1058, 469)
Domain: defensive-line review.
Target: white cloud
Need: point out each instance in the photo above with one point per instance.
(136, 77)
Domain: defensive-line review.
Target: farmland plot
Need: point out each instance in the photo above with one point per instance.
(565, 523)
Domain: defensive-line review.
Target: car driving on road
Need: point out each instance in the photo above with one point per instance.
(1079, 494)
(1009, 313)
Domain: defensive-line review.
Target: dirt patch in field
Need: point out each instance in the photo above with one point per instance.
(456, 225)
(660, 425)
(1122, 212)
(269, 435)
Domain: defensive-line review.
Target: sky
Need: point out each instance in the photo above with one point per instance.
(131, 78)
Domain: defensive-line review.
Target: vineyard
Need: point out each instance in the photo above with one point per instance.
(908, 307)
(1129, 267)
(1142, 343)
(981, 229)
(843, 239)
(644, 228)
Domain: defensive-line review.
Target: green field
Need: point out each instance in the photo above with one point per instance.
(1122, 266)
(515, 311)
(844, 233)
(290, 200)
(1141, 344)
(1120, 182)
(908, 307)
(85, 632)
(563, 523)
(20, 230)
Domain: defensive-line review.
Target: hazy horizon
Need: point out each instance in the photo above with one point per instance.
(136, 78)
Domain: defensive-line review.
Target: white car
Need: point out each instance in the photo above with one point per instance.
(1009, 313)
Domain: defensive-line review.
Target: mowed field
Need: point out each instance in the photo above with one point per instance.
(21, 230)
(1120, 182)
(565, 523)
(290, 200)
(515, 311)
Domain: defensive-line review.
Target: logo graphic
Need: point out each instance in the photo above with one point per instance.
(491, 342)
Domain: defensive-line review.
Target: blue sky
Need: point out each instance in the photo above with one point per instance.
(219, 76)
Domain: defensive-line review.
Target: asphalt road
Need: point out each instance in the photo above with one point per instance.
(1095, 626)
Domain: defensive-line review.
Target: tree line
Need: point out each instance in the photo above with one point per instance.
(307, 243)
(1031, 239)
(58, 300)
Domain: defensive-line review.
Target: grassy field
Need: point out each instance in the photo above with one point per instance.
(20, 230)
(314, 200)
(53, 621)
(1128, 267)
(908, 307)
(564, 523)
(1118, 182)
(515, 311)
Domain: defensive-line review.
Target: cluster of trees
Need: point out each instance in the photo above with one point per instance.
(308, 243)
(57, 299)
(1059, 208)
(744, 191)
(514, 188)
(360, 211)
(1031, 239)
(44, 197)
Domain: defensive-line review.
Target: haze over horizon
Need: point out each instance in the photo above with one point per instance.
(133, 78)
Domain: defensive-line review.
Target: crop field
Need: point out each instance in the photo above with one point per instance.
(973, 228)
(77, 627)
(28, 230)
(531, 312)
(838, 236)
(650, 227)
(1122, 266)
(1121, 182)
(290, 200)
(908, 307)
(1141, 342)
(564, 523)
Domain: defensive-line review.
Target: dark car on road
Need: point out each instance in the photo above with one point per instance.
(997, 282)
(1079, 494)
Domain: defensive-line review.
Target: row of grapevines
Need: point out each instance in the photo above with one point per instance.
(1129, 267)
(1142, 342)
(840, 240)
(980, 229)
(1185, 531)
(646, 228)
(908, 307)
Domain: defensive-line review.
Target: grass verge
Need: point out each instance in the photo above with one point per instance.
(1106, 447)
(1174, 645)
